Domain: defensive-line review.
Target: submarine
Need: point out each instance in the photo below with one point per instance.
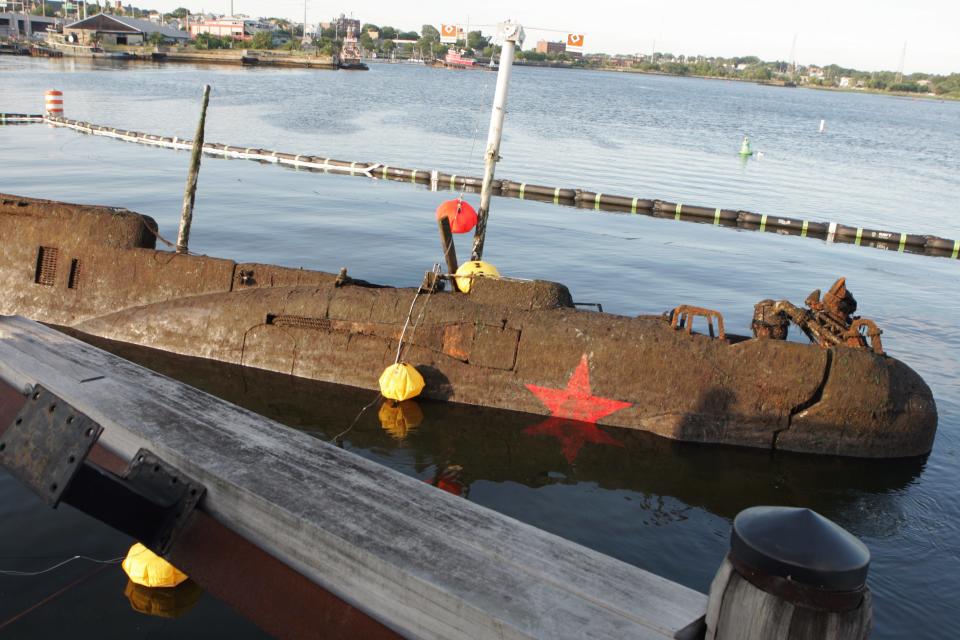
(512, 344)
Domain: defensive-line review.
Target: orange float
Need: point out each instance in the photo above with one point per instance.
(463, 217)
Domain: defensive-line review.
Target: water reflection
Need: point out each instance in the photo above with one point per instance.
(400, 418)
(455, 446)
(163, 603)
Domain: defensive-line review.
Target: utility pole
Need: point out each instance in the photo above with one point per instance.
(793, 57)
(512, 35)
(903, 57)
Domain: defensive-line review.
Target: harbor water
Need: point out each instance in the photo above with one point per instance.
(882, 162)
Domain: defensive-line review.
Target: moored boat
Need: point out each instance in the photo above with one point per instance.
(458, 59)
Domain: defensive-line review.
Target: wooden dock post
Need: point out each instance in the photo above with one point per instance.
(449, 249)
(189, 195)
(791, 574)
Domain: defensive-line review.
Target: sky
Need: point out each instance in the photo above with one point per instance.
(862, 34)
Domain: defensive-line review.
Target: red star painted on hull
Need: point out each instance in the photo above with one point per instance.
(572, 405)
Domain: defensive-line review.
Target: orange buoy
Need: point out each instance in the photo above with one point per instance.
(463, 217)
(53, 102)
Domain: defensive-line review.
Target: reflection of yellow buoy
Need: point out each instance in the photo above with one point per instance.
(146, 568)
(400, 382)
(475, 268)
(400, 418)
(164, 603)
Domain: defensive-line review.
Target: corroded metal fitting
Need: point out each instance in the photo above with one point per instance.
(769, 322)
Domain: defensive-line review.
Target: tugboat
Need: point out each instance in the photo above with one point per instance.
(350, 55)
(458, 60)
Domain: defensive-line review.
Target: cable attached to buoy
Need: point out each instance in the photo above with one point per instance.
(28, 574)
(397, 379)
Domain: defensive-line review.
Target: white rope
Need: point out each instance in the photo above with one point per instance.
(10, 572)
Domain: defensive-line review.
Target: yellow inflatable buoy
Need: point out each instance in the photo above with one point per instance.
(401, 382)
(400, 418)
(146, 568)
(473, 269)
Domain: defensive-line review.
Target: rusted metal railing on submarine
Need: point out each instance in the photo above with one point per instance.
(718, 216)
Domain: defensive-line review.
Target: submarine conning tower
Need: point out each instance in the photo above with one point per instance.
(510, 344)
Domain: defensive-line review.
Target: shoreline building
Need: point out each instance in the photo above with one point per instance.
(344, 25)
(551, 47)
(19, 25)
(119, 30)
(236, 27)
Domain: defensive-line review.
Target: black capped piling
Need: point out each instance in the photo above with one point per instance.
(790, 573)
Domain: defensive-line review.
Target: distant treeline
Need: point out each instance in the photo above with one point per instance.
(753, 68)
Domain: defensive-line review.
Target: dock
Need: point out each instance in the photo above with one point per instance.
(414, 560)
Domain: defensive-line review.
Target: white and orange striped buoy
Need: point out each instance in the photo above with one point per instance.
(54, 103)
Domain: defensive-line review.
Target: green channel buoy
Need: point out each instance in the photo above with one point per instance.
(745, 149)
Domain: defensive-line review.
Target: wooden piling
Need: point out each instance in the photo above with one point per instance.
(189, 195)
(791, 574)
(446, 241)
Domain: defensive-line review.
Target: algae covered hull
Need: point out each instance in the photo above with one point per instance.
(517, 345)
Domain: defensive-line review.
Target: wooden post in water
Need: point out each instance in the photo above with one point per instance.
(791, 574)
(449, 250)
(512, 36)
(186, 214)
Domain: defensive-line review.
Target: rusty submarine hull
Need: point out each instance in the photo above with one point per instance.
(511, 344)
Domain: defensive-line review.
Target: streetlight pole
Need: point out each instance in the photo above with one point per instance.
(512, 35)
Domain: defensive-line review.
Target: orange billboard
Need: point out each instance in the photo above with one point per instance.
(449, 33)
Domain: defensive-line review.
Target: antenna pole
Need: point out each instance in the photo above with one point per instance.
(512, 35)
(793, 57)
(903, 56)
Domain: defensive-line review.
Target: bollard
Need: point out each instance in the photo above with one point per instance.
(790, 573)
(53, 100)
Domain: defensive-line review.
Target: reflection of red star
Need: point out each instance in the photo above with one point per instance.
(572, 435)
(575, 404)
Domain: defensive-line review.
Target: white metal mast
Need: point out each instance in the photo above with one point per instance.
(512, 35)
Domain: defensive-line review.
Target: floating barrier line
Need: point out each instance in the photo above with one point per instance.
(828, 231)
(16, 118)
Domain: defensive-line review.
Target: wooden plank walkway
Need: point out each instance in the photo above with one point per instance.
(425, 563)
